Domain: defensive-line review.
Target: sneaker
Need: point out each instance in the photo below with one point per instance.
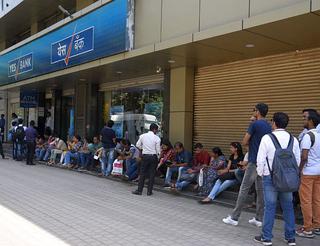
(259, 239)
(255, 222)
(230, 221)
(167, 186)
(317, 231)
(303, 233)
(290, 242)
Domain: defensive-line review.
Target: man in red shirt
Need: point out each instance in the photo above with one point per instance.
(202, 158)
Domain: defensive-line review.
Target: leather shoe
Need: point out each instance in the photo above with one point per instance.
(149, 194)
(136, 192)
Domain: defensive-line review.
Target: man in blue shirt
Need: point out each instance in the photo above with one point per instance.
(108, 139)
(2, 126)
(183, 161)
(31, 135)
(255, 132)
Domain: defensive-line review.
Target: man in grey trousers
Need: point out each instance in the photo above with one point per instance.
(256, 131)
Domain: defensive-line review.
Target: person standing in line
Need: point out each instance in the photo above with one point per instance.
(2, 126)
(149, 143)
(305, 114)
(256, 131)
(108, 139)
(31, 135)
(310, 178)
(270, 158)
(19, 137)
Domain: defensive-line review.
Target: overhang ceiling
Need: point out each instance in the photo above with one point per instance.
(297, 33)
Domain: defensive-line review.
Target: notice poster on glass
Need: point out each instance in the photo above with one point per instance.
(116, 114)
(154, 109)
(153, 114)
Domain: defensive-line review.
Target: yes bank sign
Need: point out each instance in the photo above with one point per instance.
(20, 65)
(103, 32)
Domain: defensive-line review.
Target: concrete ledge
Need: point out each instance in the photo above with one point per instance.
(218, 31)
(276, 15)
(174, 42)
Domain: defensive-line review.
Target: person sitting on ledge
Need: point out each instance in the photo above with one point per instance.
(209, 174)
(182, 162)
(227, 177)
(73, 152)
(202, 158)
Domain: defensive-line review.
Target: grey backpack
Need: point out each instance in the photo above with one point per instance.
(285, 171)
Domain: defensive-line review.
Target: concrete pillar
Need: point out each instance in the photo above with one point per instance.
(181, 105)
(86, 109)
(2, 45)
(34, 28)
(83, 3)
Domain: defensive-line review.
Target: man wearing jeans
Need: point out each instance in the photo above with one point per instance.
(256, 131)
(271, 195)
(310, 178)
(183, 162)
(108, 139)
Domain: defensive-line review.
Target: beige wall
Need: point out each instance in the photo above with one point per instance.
(179, 17)
(261, 6)
(161, 20)
(181, 105)
(217, 12)
(147, 22)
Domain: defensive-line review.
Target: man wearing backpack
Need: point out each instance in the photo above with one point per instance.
(19, 139)
(277, 163)
(310, 178)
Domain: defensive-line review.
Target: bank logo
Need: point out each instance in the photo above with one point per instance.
(74, 45)
(20, 65)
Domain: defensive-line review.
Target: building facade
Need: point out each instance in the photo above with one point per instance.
(194, 67)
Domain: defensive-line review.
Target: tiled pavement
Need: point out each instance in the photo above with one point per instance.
(40, 205)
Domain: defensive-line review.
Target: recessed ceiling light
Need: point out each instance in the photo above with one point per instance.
(119, 72)
(171, 61)
(83, 79)
(249, 45)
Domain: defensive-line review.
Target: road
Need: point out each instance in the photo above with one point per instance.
(41, 205)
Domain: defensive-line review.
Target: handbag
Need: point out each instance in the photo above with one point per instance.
(200, 178)
(227, 176)
(117, 169)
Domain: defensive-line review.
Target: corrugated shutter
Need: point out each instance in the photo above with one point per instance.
(134, 82)
(225, 94)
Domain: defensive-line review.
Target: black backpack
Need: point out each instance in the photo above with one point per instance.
(285, 171)
(19, 134)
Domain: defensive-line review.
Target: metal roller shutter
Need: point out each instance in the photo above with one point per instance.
(226, 94)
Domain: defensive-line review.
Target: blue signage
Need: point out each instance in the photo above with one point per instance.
(28, 99)
(77, 44)
(103, 32)
(20, 65)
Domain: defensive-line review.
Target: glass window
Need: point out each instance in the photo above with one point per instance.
(134, 109)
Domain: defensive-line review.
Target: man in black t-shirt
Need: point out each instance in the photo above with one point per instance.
(108, 139)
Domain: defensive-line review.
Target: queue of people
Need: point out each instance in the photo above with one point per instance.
(270, 149)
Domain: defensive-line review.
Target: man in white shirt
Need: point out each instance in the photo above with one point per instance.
(149, 143)
(266, 152)
(305, 114)
(310, 179)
